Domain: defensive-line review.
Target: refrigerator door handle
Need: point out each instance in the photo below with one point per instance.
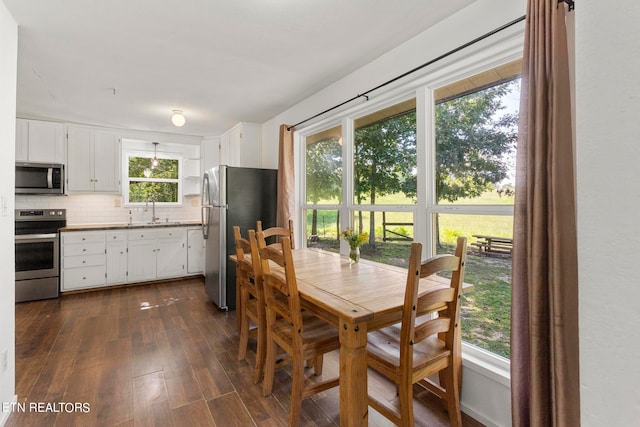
(205, 213)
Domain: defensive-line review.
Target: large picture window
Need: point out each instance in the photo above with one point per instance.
(146, 182)
(429, 168)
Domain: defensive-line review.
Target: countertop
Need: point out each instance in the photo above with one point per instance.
(121, 226)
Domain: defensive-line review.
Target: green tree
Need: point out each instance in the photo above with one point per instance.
(472, 139)
(141, 191)
(324, 174)
(384, 161)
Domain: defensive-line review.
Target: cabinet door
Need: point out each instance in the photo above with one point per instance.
(80, 159)
(225, 154)
(141, 260)
(250, 143)
(22, 140)
(172, 253)
(195, 252)
(46, 143)
(106, 176)
(116, 260)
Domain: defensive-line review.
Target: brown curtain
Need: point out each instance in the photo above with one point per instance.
(286, 185)
(544, 319)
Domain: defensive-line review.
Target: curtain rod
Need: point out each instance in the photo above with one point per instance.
(426, 64)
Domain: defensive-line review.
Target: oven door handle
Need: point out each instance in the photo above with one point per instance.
(36, 236)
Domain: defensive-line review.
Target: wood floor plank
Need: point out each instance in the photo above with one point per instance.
(195, 414)
(228, 410)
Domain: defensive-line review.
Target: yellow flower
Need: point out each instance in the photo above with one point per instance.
(355, 240)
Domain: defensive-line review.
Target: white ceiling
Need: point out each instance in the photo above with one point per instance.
(128, 63)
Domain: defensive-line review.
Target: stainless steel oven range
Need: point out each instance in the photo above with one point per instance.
(38, 253)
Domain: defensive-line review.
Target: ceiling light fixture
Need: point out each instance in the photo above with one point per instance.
(154, 161)
(177, 118)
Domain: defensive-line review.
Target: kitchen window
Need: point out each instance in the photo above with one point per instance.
(145, 182)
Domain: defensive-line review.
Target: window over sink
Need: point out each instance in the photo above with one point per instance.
(158, 182)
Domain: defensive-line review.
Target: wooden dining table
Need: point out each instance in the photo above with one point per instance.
(355, 298)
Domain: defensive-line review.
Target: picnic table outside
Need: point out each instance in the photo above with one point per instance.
(493, 245)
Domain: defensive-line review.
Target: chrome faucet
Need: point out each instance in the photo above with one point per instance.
(154, 218)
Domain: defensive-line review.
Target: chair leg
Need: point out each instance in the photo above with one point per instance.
(297, 389)
(405, 393)
(244, 331)
(269, 368)
(453, 396)
(317, 365)
(260, 354)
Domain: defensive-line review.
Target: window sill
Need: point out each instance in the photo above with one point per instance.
(487, 364)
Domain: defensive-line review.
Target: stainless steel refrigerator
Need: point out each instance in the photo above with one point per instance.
(232, 196)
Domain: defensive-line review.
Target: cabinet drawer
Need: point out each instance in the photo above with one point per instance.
(83, 249)
(171, 233)
(142, 234)
(83, 277)
(82, 237)
(82, 261)
(116, 236)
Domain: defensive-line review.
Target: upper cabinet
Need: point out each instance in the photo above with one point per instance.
(242, 146)
(93, 160)
(39, 141)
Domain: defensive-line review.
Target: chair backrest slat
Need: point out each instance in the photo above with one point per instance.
(431, 327)
(275, 234)
(435, 300)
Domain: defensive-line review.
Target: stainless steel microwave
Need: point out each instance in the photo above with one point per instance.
(39, 178)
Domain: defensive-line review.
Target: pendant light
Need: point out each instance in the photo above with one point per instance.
(154, 161)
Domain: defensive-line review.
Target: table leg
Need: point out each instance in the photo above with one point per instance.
(354, 400)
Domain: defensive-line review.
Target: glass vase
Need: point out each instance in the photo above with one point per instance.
(354, 254)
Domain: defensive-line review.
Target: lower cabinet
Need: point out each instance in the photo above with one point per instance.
(83, 261)
(195, 251)
(116, 257)
(171, 253)
(142, 255)
(91, 259)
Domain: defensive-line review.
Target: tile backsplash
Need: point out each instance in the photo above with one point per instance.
(108, 209)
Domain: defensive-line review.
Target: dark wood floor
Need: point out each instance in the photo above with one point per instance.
(156, 355)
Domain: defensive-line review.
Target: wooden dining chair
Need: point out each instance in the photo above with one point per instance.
(301, 335)
(426, 342)
(250, 306)
(275, 234)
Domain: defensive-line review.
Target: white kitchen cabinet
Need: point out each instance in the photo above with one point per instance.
(171, 259)
(92, 259)
(39, 141)
(93, 160)
(116, 257)
(242, 146)
(142, 255)
(195, 251)
(83, 260)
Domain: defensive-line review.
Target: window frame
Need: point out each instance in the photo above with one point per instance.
(149, 155)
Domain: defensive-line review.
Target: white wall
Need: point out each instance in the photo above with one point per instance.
(608, 157)
(486, 394)
(8, 67)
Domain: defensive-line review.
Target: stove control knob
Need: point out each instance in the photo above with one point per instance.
(52, 213)
(60, 213)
